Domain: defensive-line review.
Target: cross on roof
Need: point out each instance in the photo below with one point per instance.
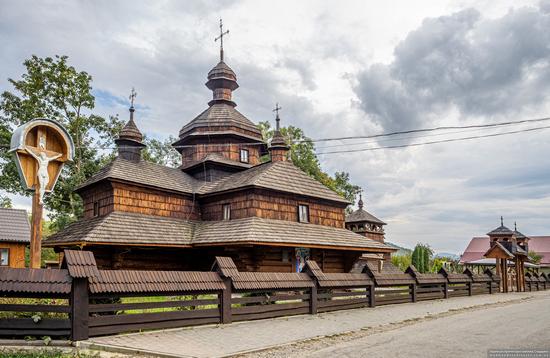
(276, 110)
(133, 95)
(222, 34)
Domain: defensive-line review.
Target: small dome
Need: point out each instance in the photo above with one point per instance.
(131, 132)
(222, 70)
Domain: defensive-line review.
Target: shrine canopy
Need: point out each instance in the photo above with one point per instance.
(41, 135)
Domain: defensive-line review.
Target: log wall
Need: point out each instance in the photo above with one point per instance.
(272, 205)
(102, 194)
(246, 258)
(134, 199)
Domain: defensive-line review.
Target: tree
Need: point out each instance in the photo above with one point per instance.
(421, 257)
(51, 88)
(534, 257)
(302, 154)
(162, 152)
(5, 202)
(401, 261)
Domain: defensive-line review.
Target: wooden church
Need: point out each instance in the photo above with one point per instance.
(222, 201)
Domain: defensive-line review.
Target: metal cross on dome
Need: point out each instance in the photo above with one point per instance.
(276, 110)
(222, 34)
(133, 95)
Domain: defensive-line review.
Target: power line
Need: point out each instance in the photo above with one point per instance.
(434, 129)
(434, 142)
(397, 133)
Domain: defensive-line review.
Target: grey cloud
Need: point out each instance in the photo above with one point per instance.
(478, 66)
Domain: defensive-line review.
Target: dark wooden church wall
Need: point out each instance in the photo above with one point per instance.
(272, 205)
(100, 193)
(241, 206)
(278, 206)
(134, 199)
(258, 258)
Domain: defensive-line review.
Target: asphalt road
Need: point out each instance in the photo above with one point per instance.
(523, 325)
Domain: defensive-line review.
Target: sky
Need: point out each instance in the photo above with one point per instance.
(358, 68)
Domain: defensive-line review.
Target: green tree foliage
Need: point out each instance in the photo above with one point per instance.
(534, 257)
(421, 257)
(51, 88)
(162, 152)
(302, 154)
(401, 261)
(5, 202)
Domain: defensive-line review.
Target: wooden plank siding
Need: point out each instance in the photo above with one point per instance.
(16, 258)
(134, 199)
(272, 205)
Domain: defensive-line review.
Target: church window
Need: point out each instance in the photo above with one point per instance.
(226, 211)
(303, 213)
(244, 156)
(4, 257)
(96, 208)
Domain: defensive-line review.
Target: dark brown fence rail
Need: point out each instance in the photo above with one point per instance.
(80, 301)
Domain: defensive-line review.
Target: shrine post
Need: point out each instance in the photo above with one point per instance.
(40, 148)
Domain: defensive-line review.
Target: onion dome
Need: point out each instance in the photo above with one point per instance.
(278, 146)
(130, 139)
(222, 81)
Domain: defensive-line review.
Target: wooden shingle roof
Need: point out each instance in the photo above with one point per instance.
(477, 277)
(281, 176)
(225, 266)
(259, 230)
(25, 280)
(389, 275)
(145, 173)
(80, 264)
(271, 280)
(126, 228)
(361, 215)
(337, 279)
(155, 281)
(221, 115)
(14, 225)
(425, 278)
(455, 277)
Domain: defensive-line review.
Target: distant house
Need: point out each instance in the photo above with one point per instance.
(479, 245)
(15, 234)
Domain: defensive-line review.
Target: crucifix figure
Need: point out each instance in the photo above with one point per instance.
(222, 34)
(276, 110)
(41, 156)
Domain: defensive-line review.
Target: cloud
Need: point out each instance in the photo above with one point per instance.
(477, 66)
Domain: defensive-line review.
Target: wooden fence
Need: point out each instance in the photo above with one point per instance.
(80, 301)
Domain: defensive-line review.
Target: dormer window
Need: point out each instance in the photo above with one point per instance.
(226, 208)
(96, 208)
(244, 156)
(303, 213)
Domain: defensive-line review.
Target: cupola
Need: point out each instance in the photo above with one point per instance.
(130, 139)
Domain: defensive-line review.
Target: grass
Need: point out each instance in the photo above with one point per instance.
(44, 353)
(167, 299)
(33, 301)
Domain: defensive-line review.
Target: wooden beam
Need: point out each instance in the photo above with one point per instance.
(79, 309)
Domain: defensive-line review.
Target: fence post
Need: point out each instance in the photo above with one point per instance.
(470, 288)
(79, 302)
(372, 296)
(490, 287)
(313, 298)
(446, 289)
(413, 292)
(225, 304)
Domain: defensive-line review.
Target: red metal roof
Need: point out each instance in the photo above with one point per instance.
(479, 245)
